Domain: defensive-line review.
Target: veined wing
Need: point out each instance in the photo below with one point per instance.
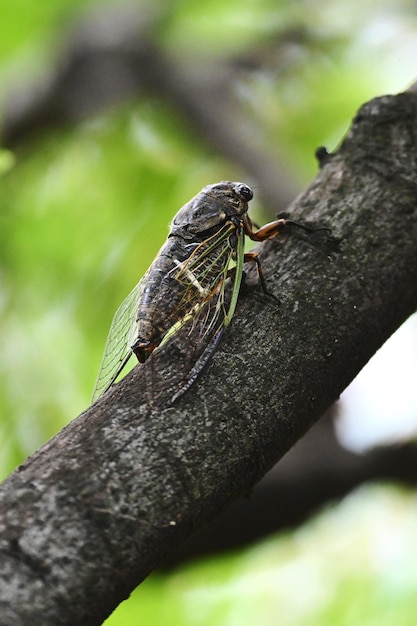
(207, 303)
(200, 276)
(188, 346)
(226, 247)
(122, 333)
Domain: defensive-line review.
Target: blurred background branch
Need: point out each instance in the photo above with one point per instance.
(102, 66)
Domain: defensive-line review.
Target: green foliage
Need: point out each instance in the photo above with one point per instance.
(6, 161)
(224, 28)
(25, 23)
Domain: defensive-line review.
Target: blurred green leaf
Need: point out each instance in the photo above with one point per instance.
(7, 161)
(24, 23)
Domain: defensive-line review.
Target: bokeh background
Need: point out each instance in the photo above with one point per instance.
(113, 115)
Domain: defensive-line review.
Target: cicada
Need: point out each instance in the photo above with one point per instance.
(188, 296)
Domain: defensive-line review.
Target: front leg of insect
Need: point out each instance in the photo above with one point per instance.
(269, 231)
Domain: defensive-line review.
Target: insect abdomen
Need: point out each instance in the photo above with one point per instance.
(163, 302)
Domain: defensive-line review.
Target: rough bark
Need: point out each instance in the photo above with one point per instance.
(89, 515)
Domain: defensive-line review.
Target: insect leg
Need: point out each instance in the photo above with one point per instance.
(269, 231)
(198, 367)
(272, 229)
(252, 257)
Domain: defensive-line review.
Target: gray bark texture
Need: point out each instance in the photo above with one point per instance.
(88, 516)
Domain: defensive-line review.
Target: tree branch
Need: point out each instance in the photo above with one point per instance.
(89, 515)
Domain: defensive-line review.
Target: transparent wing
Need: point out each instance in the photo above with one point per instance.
(122, 333)
(185, 351)
(209, 287)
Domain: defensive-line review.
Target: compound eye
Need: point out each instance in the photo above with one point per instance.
(245, 191)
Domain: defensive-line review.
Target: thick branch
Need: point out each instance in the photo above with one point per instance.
(87, 517)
